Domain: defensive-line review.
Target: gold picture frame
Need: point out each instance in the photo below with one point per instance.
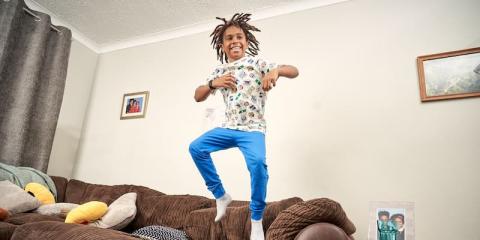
(449, 75)
(134, 105)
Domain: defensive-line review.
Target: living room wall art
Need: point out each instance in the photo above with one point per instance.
(391, 220)
(449, 75)
(134, 105)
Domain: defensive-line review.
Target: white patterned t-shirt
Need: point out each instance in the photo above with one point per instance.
(245, 108)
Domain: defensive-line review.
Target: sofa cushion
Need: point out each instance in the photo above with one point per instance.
(6, 230)
(16, 200)
(22, 218)
(168, 210)
(291, 221)
(61, 186)
(60, 230)
(236, 223)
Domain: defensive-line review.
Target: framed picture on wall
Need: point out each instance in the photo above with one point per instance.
(449, 75)
(391, 220)
(134, 105)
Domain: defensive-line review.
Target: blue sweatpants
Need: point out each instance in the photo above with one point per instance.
(251, 144)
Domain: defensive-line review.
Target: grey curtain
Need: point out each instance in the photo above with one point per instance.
(33, 68)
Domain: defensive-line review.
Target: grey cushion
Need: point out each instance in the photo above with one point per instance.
(120, 213)
(160, 233)
(56, 209)
(15, 199)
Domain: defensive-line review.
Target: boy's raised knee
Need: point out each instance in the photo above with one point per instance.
(194, 148)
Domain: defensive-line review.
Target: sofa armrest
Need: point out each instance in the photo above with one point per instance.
(291, 221)
(322, 231)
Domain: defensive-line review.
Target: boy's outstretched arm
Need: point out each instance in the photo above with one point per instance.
(288, 71)
(270, 79)
(201, 93)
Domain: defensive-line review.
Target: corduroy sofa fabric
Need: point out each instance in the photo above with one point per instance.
(22, 218)
(168, 210)
(80, 192)
(236, 223)
(61, 185)
(59, 230)
(6, 230)
(291, 221)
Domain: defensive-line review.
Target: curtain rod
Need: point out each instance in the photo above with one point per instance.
(37, 18)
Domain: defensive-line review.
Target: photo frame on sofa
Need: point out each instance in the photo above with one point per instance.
(449, 75)
(134, 105)
(391, 220)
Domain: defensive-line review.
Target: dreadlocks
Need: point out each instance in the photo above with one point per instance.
(239, 20)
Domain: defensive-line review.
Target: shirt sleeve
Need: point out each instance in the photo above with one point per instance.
(265, 66)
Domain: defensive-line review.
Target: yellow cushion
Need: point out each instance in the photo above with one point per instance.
(87, 212)
(40, 192)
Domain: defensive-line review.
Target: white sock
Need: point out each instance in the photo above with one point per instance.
(257, 230)
(222, 204)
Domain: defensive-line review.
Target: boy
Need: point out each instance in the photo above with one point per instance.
(243, 82)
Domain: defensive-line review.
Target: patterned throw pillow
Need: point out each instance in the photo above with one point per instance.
(160, 233)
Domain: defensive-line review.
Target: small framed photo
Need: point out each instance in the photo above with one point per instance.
(449, 75)
(391, 221)
(134, 105)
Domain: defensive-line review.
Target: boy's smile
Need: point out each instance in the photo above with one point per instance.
(234, 43)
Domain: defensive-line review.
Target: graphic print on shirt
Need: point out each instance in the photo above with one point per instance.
(245, 107)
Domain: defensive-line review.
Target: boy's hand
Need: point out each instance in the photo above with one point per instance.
(270, 79)
(225, 81)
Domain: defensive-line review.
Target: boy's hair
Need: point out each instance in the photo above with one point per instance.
(239, 20)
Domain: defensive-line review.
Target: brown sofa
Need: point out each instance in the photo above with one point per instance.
(293, 218)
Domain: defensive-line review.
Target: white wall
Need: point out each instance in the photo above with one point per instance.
(80, 74)
(351, 127)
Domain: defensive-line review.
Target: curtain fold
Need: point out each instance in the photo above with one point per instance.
(33, 67)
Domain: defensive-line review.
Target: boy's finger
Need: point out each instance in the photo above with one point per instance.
(231, 79)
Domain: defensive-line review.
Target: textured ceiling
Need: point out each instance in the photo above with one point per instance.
(109, 21)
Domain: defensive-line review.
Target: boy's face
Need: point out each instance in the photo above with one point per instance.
(234, 43)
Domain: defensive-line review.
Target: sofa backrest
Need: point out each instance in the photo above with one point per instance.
(153, 207)
(81, 192)
(61, 186)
